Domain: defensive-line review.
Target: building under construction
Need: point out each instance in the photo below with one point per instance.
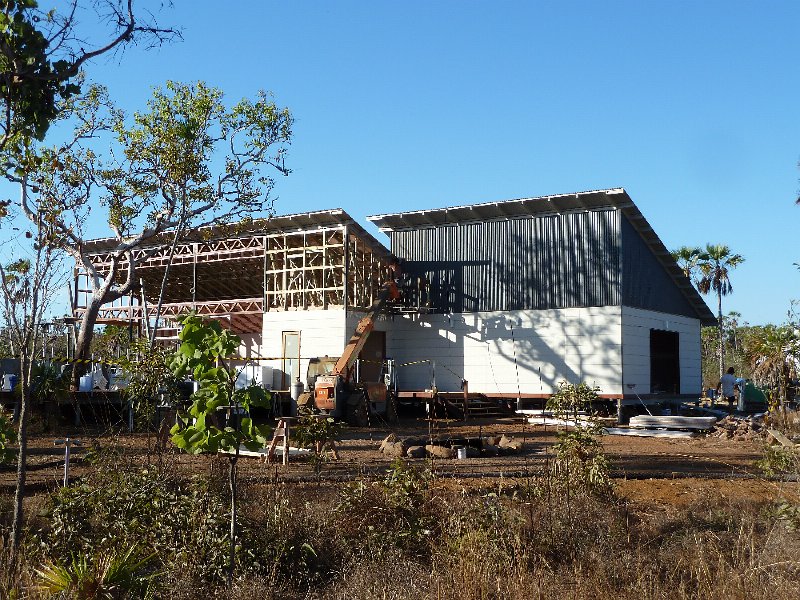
(511, 296)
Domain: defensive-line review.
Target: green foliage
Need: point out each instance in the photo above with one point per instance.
(773, 353)
(35, 85)
(109, 575)
(569, 399)
(149, 374)
(204, 348)
(580, 460)
(16, 281)
(789, 514)
(183, 523)
(778, 460)
(687, 259)
(313, 431)
(317, 432)
(8, 436)
(46, 381)
(715, 264)
(388, 513)
(167, 175)
(579, 453)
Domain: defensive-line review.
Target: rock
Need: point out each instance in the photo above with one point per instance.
(473, 452)
(394, 450)
(390, 439)
(505, 440)
(408, 442)
(440, 451)
(490, 450)
(415, 452)
(491, 440)
(510, 445)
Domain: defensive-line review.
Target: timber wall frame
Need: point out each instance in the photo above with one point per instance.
(238, 278)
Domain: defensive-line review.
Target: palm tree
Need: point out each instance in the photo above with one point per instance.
(687, 259)
(714, 263)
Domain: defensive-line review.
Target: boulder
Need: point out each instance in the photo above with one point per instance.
(513, 446)
(415, 452)
(509, 444)
(504, 440)
(394, 449)
(490, 449)
(440, 451)
(390, 439)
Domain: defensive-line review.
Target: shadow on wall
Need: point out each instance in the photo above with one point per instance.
(536, 265)
(529, 351)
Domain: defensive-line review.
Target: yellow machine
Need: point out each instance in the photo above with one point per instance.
(339, 394)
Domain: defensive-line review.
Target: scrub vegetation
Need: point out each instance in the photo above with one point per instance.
(134, 532)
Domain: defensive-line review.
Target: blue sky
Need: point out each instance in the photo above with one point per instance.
(690, 106)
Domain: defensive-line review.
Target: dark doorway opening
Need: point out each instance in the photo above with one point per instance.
(665, 369)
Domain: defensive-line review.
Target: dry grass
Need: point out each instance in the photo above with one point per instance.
(406, 537)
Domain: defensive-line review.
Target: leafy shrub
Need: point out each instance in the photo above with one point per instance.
(184, 523)
(579, 455)
(8, 436)
(390, 512)
(778, 460)
(106, 576)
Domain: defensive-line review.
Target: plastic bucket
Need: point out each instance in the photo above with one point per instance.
(9, 381)
(461, 452)
(85, 384)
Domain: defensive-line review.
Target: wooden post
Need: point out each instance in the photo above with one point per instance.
(465, 388)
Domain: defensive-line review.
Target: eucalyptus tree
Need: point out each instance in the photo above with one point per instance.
(186, 162)
(27, 287)
(42, 54)
(687, 258)
(715, 264)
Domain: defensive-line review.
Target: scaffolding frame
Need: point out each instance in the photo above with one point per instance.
(331, 262)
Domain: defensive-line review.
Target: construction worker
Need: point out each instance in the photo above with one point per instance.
(728, 386)
(395, 275)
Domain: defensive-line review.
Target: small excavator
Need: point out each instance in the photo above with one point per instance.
(338, 392)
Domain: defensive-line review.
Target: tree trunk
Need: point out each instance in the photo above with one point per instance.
(26, 364)
(232, 485)
(83, 344)
(719, 327)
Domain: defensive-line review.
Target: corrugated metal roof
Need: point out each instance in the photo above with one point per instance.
(295, 223)
(504, 209)
(521, 208)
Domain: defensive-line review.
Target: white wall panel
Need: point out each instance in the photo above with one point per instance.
(636, 326)
(507, 352)
(321, 332)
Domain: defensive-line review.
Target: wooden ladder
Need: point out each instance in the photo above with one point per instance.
(281, 436)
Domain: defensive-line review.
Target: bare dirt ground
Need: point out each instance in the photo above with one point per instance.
(655, 471)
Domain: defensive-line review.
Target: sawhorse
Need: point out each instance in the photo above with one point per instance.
(281, 436)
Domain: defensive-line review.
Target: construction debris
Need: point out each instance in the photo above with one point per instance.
(739, 429)
(782, 439)
(665, 433)
(672, 422)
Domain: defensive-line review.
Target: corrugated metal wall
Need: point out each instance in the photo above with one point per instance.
(646, 282)
(554, 261)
